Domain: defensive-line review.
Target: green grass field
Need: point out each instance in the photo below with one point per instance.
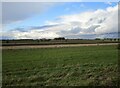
(72, 66)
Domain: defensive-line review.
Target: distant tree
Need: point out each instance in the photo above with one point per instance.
(43, 39)
(60, 38)
(38, 40)
(110, 39)
(119, 39)
(115, 39)
(48, 39)
(7, 41)
(97, 39)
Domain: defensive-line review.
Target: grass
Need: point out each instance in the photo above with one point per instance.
(72, 66)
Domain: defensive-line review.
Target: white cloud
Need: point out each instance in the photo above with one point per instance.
(109, 3)
(89, 24)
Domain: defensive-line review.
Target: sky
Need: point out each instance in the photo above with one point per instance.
(36, 20)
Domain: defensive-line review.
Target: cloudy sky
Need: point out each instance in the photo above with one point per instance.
(26, 20)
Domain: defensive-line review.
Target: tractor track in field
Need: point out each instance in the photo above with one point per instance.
(53, 46)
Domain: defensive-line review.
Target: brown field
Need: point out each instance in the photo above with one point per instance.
(52, 46)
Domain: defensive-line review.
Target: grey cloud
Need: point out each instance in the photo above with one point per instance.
(75, 23)
(91, 29)
(0, 12)
(22, 29)
(18, 11)
(6, 37)
(109, 35)
(82, 36)
(72, 31)
(98, 20)
(43, 27)
(93, 36)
